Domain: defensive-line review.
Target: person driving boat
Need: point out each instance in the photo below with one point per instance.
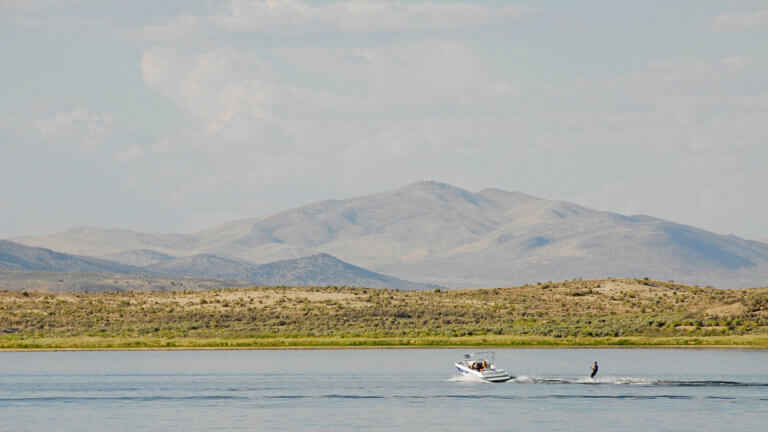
(479, 365)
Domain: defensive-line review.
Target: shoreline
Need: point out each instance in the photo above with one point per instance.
(746, 342)
(605, 313)
(393, 347)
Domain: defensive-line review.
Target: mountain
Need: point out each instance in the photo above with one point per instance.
(204, 265)
(313, 270)
(91, 241)
(53, 271)
(436, 233)
(323, 269)
(138, 258)
(16, 256)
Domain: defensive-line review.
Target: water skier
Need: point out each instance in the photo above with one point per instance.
(594, 370)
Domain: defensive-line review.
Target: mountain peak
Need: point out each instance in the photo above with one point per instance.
(322, 255)
(442, 192)
(428, 185)
(445, 189)
(506, 196)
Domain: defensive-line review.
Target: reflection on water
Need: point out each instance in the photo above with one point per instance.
(383, 390)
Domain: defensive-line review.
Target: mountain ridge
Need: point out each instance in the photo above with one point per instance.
(138, 257)
(314, 270)
(15, 256)
(436, 233)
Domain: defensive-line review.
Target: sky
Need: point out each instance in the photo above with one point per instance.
(176, 116)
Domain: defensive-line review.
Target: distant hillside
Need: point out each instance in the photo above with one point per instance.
(205, 265)
(314, 270)
(55, 281)
(436, 233)
(324, 269)
(100, 242)
(139, 258)
(19, 257)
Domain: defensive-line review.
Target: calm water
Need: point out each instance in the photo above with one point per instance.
(411, 390)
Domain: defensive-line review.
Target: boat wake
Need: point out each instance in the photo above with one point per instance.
(525, 379)
(607, 379)
(620, 380)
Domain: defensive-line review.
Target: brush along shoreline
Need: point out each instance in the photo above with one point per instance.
(594, 313)
(107, 344)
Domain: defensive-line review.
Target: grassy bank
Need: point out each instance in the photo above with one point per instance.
(122, 343)
(611, 312)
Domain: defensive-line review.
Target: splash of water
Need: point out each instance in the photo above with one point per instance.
(466, 378)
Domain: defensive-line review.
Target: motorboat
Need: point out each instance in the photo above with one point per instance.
(481, 365)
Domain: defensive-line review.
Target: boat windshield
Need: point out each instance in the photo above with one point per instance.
(480, 360)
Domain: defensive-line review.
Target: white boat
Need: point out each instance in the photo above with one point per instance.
(481, 365)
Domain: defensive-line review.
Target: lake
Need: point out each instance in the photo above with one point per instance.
(383, 389)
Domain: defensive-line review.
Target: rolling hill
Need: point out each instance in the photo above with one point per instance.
(42, 269)
(436, 233)
(16, 256)
(323, 269)
(313, 270)
(138, 258)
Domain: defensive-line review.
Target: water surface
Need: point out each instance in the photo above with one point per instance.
(408, 390)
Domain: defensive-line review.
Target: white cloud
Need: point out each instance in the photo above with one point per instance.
(81, 125)
(363, 16)
(296, 18)
(214, 86)
(97, 18)
(388, 80)
(255, 129)
(262, 129)
(131, 153)
(742, 21)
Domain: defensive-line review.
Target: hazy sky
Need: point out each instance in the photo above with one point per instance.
(174, 116)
